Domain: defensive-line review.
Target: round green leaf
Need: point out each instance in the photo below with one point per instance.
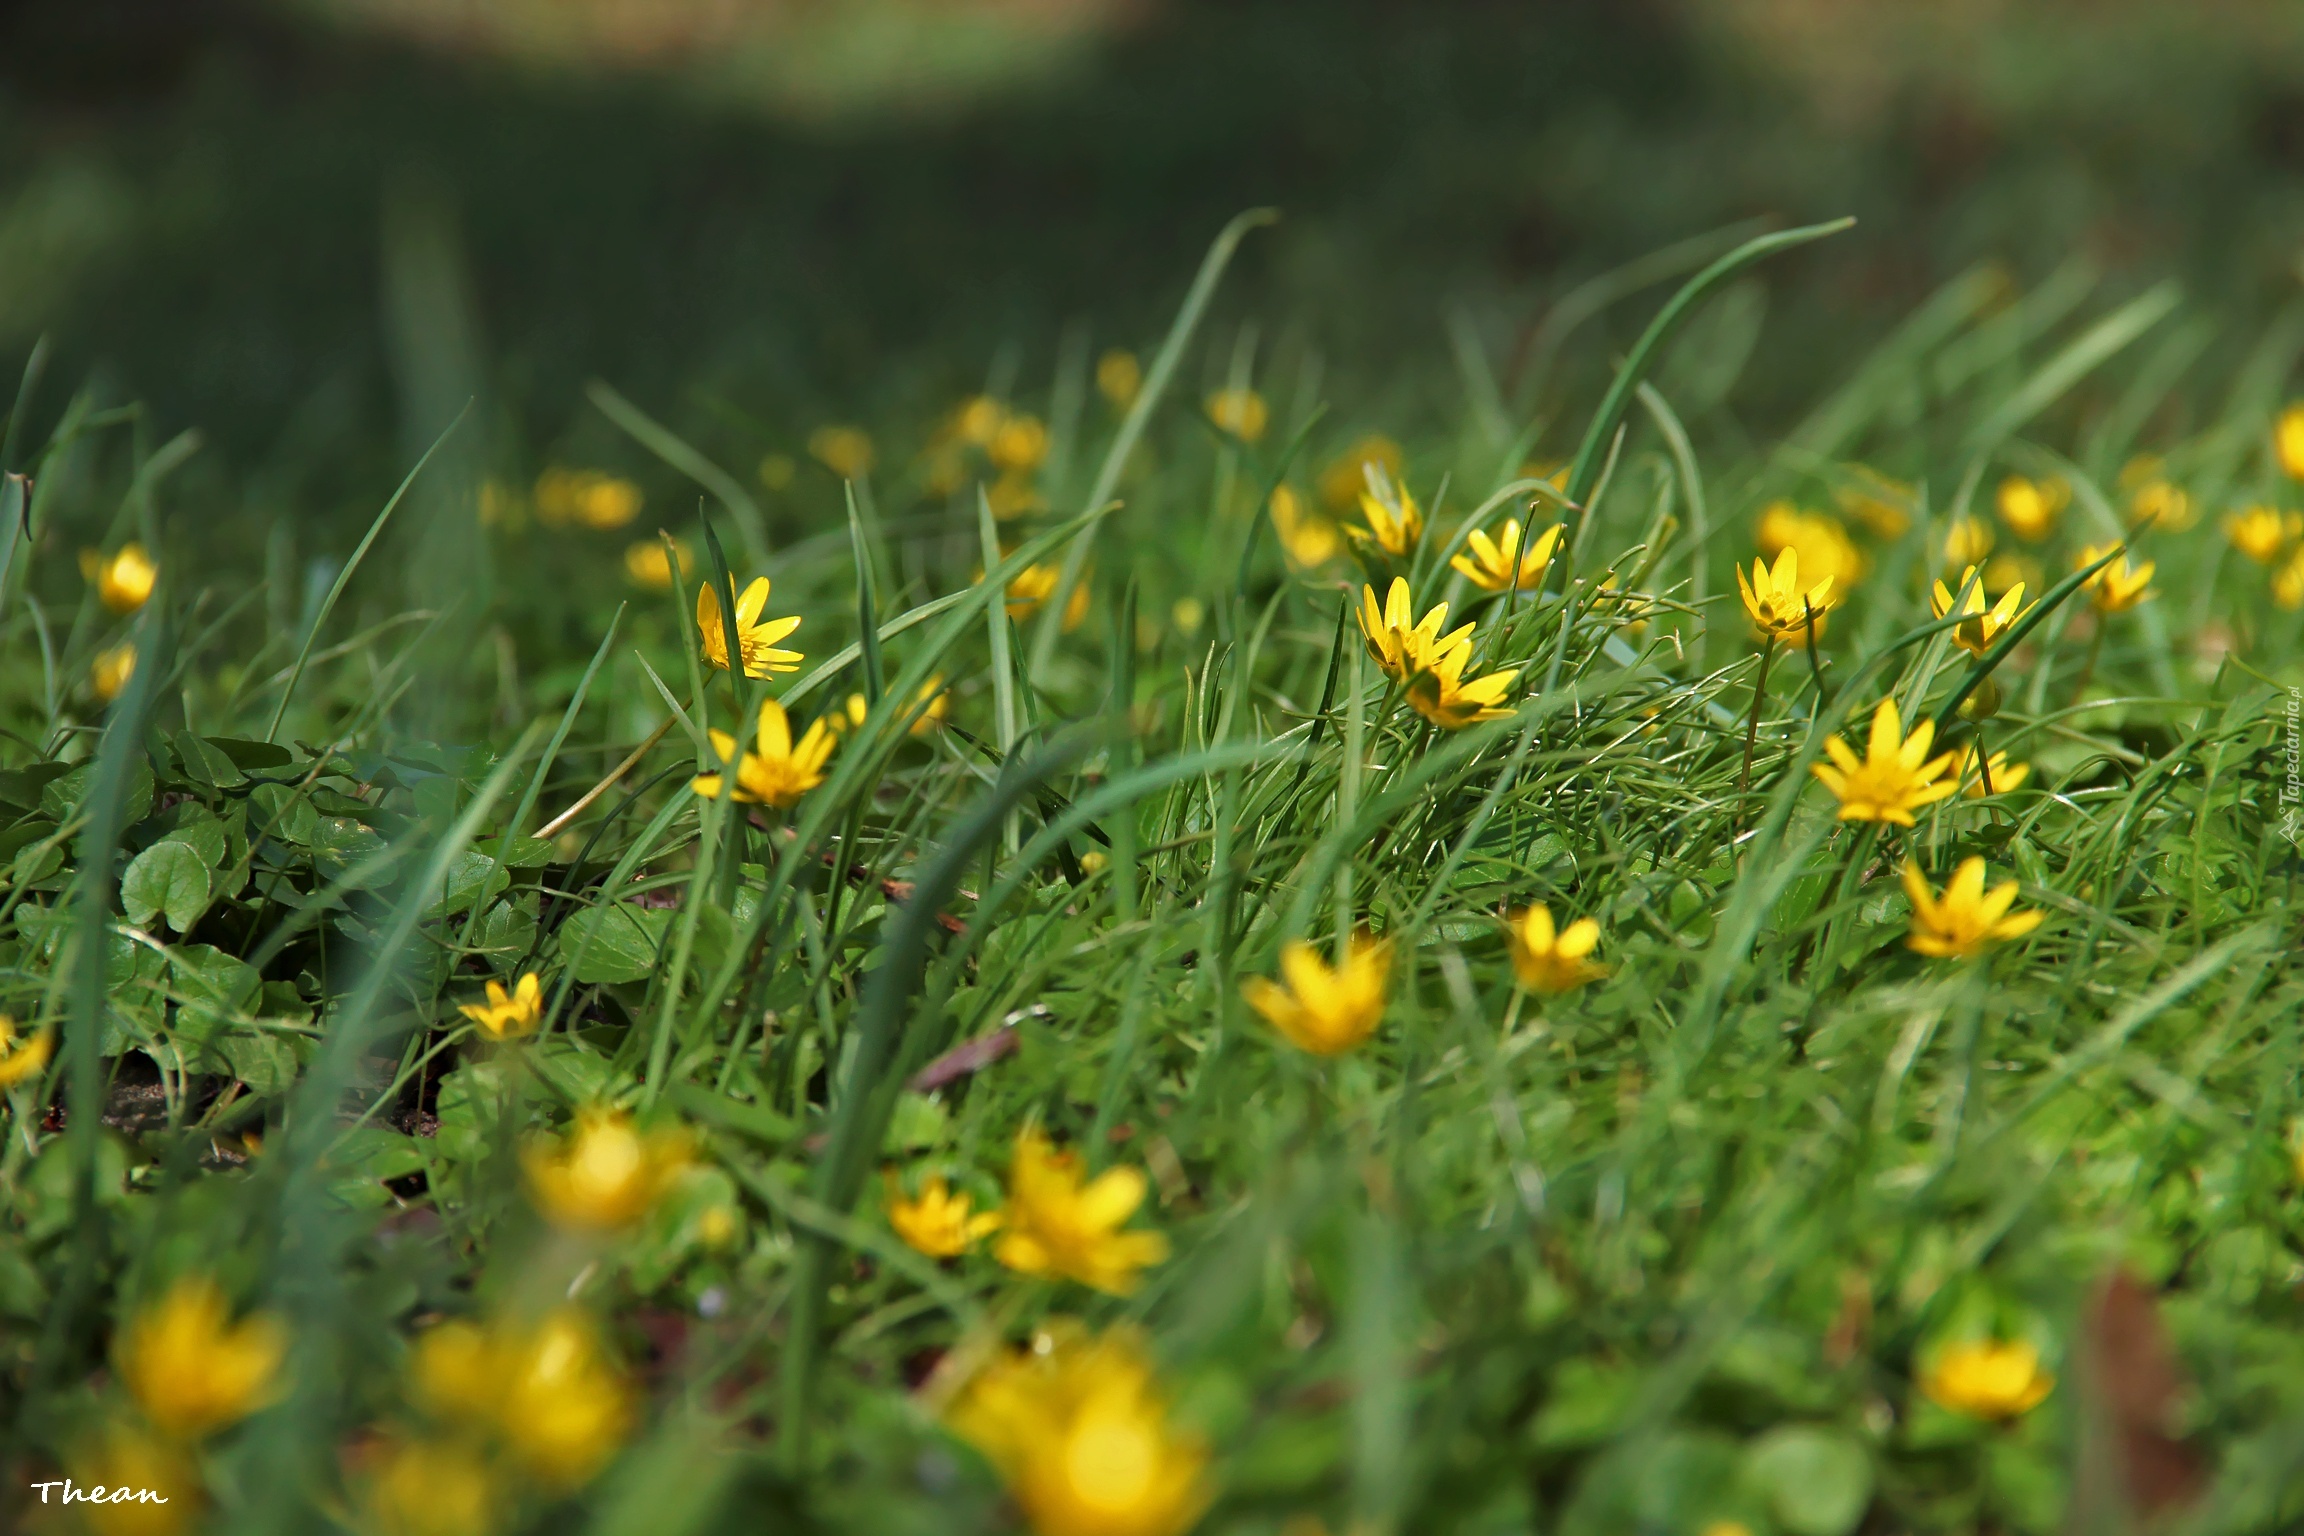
(1817, 1479)
(167, 879)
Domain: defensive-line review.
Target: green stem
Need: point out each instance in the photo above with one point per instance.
(1752, 728)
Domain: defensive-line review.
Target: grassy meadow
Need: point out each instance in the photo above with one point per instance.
(1773, 1015)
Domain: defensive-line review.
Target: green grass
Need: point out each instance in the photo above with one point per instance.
(1657, 1253)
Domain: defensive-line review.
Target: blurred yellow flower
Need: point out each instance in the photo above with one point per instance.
(22, 1056)
(1727, 1528)
(108, 674)
(779, 773)
(1322, 1010)
(1778, 608)
(1020, 445)
(1967, 541)
(1035, 584)
(1549, 960)
(1897, 776)
(1119, 376)
(2288, 582)
(1824, 546)
(755, 637)
(123, 580)
(1239, 413)
(606, 1173)
(431, 1488)
(846, 451)
(1307, 538)
(564, 1407)
(2001, 778)
(1187, 613)
(978, 420)
(938, 1223)
(1078, 1430)
(2288, 439)
(191, 1368)
(2118, 587)
(1979, 625)
(588, 497)
(2030, 507)
(160, 1493)
(1440, 693)
(776, 471)
(1494, 564)
(1882, 505)
(1394, 521)
(2262, 532)
(1346, 476)
(1013, 495)
(1987, 1379)
(1401, 644)
(934, 701)
(2165, 504)
(1057, 1224)
(648, 566)
(508, 1015)
(1965, 921)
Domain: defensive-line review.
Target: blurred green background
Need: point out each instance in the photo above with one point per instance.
(771, 213)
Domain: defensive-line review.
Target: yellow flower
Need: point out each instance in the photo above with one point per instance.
(1322, 1010)
(1976, 634)
(1020, 445)
(846, 451)
(1239, 413)
(1824, 545)
(191, 1369)
(1895, 779)
(432, 1488)
(1119, 376)
(939, 1223)
(2288, 582)
(2165, 504)
(2030, 507)
(1055, 1224)
(935, 704)
(1035, 584)
(1394, 521)
(110, 671)
(22, 1056)
(648, 566)
(1965, 921)
(585, 496)
(452, 1372)
(776, 471)
(1078, 1429)
(550, 1393)
(1496, 564)
(1307, 538)
(1546, 960)
(1987, 1379)
(1967, 541)
(2118, 587)
(755, 637)
(160, 1492)
(1402, 645)
(978, 420)
(123, 582)
(2002, 779)
(1441, 695)
(1012, 495)
(1779, 609)
(605, 1174)
(2288, 440)
(508, 1015)
(2262, 532)
(1347, 476)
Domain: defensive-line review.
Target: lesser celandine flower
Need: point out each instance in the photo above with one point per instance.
(1401, 644)
(158, 1488)
(1779, 609)
(1966, 920)
(2164, 504)
(191, 1368)
(1552, 960)
(1495, 564)
(2288, 440)
(648, 566)
(1078, 1429)
(1347, 474)
(1441, 694)
(1119, 376)
(1987, 1378)
(549, 1392)
(2030, 507)
(2118, 587)
(1979, 625)
(1307, 538)
(108, 674)
(934, 701)
(756, 637)
(779, 772)
(2288, 582)
(937, 1222)
(1324, 1010)
(2261, 532)
(1239, 413)
(21, 1056)
(1035, 584)
(1824, 546)
(844, 450)
(123, 580)
(1894, 779)
(1058, 1223)
(1394, 521)
(431, 1488)
(508, 1015)
(1991, 776)
(1019, 445)
(606, 1173)
(587, 497)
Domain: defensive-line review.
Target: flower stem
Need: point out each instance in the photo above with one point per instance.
(2088, 667)
(1752, 727)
